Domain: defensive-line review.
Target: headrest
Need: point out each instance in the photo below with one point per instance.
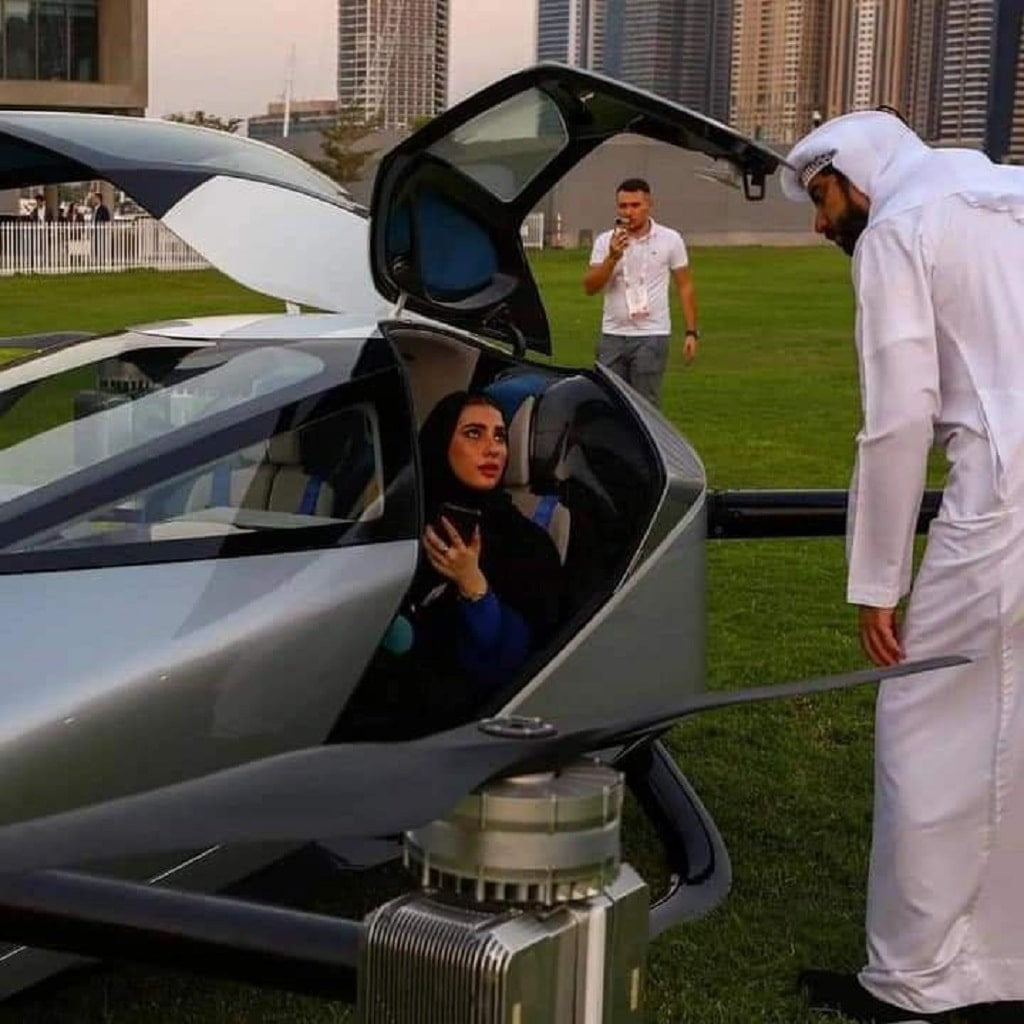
(508, 392)
(283, 449)
(254, 454)
(517, 471)
(560, 412)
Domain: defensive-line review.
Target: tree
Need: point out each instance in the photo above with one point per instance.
(419, 121)
(204, 120)
(342, 160)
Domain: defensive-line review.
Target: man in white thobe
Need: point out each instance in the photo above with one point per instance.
(937, 240)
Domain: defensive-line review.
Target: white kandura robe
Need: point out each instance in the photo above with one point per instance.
(940, 337)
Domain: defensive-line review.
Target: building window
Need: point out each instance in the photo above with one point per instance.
(50, 40)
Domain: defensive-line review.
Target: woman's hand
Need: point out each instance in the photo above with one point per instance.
(456, 560)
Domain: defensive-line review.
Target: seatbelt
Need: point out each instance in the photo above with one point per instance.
(545, 510)
(310, 496)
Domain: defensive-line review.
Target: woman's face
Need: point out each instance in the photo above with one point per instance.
(479, 448)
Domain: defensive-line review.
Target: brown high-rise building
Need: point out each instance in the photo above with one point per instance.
(867, 54)
(778, 67)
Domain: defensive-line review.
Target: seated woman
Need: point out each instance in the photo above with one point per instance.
(482, 600)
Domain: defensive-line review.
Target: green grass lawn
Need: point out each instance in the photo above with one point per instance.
(770, 402)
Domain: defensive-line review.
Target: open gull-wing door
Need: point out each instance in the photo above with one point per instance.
(449, 201)
(260, 215)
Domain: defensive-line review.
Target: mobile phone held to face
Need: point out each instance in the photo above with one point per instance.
(465, 520)
(622, 222)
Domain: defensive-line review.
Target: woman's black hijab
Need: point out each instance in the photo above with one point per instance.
(518, 558)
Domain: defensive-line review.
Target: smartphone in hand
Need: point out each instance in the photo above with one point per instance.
(621, 229)
(465, 520)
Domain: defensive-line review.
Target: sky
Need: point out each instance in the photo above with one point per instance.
(231, 57)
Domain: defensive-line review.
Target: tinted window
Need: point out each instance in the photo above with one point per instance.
(64, 423)
(50, 40)
(19, 39)
(506, 147)
(325, 472)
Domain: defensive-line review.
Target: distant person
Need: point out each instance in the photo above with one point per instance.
(100, 210)
(632, 265)
(41, 212)
(101, 242)
(937, 241)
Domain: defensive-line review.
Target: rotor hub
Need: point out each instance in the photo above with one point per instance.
(546, 838)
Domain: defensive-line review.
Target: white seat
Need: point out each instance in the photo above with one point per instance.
(267, 476)
(293, 489)
(241, 479)
(544, 509)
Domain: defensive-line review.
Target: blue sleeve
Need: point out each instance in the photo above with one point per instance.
(494, 640)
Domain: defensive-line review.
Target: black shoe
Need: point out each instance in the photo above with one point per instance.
(843, 993)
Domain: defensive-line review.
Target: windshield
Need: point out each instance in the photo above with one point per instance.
(81, 414)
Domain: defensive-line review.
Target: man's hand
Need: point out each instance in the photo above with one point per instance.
(689, 349)
(617, 243)
(599, 274)
(879, 635)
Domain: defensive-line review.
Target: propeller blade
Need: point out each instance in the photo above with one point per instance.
(352, 790)
(709, 701)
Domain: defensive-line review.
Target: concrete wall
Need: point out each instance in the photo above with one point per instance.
(705, 211)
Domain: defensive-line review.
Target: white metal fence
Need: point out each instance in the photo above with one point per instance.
(144, 244)
(532, 231)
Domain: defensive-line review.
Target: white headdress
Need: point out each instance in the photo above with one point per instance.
(896, 170)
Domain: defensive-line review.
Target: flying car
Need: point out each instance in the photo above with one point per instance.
(208, 525)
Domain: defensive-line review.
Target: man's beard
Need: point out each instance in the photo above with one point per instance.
(848, 229)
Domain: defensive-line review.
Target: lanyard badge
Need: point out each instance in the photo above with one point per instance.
(634, 274)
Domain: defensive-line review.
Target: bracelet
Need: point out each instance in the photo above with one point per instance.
(693, 332)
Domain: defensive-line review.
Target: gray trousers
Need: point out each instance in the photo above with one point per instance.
(638, 359)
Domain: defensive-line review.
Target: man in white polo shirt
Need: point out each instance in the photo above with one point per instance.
(632, 265)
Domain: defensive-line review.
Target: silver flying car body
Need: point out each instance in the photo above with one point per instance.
(207, 526)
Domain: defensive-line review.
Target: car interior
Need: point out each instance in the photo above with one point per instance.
(579, 464)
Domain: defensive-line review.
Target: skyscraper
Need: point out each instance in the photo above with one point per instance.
(393, 58)
(1016, 153)
(867, 54)
(679, 49)
(921, 86)
(571, 32)
(951, 71)
(966, 71)
(1004, 133)
(779, 56)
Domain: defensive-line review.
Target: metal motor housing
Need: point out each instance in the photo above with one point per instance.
(527, 915)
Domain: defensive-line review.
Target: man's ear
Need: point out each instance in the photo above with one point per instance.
(859, 198)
